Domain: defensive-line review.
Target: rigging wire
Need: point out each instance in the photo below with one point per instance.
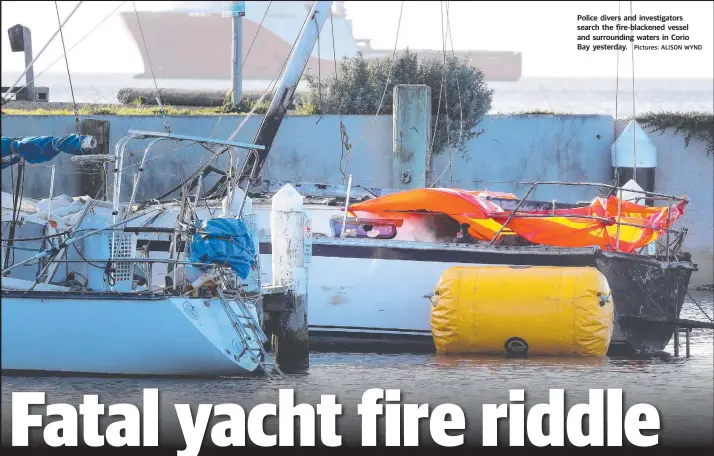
(634, 136)
(69, 75)
(438, 110)
(389, 78)
(344, 139)
(6, 96)
(221, 184)
(461, 110)
(445, 83)
(458, 86)
(260, 26)
(319, 66)
(617, 91)
(79, 41)
(158, 95)
(270, 89)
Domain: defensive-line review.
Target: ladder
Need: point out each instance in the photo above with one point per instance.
(248, 329)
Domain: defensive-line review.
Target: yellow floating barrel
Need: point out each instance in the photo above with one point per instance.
(522, 310)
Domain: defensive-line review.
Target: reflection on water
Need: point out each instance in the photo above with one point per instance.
(680, 388)
(500, 362)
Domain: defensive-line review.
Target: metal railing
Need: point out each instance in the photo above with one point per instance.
(618, 221)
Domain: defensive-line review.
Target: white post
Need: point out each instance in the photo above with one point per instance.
(289, 228)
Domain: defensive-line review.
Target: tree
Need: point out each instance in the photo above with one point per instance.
(460, 96)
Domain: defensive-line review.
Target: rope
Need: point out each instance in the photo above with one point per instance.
(69, 76)
(700, 307)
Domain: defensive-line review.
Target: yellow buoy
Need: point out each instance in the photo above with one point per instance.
(522, 310)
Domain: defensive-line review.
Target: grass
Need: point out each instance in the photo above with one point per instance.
(538, 112)
(143, 110)
(121, 110)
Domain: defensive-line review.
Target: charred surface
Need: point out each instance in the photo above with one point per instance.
(644, 291)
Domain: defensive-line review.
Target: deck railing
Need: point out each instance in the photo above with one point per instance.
(613, 188)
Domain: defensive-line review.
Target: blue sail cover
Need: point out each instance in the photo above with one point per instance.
(39, 149)
(223, 241)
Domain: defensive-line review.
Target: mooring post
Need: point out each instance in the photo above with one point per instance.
(92, 177)
(676, 341)
(411, 127)
(686, 340)
(21, 41)
(290, 237)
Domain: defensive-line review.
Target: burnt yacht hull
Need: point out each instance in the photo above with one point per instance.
(648, 294)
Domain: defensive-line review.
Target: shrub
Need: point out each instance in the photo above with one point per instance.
(360, 87)
(694, 125)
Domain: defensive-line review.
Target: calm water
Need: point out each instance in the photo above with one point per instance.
(681, 389)
(569, 95)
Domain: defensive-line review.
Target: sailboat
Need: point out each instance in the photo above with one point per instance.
(85, 305)
(80, 297)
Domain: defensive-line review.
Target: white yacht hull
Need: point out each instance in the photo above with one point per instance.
(378, 303)
(92, 333)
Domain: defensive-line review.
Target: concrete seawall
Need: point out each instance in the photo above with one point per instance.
(687, 171)
(514, 148)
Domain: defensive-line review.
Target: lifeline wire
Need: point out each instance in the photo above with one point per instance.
(69, 75)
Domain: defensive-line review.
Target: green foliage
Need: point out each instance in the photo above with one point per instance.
(246, 104)
(694, 125)
(459, 93)
(538, 112)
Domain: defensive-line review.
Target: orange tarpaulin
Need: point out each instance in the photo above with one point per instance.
(464, 206)
(485, 218)
(601, 231)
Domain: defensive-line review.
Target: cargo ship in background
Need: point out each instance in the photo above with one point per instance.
(192, 40)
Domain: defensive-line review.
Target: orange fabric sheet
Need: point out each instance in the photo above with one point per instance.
(486, 218)
(463, 206)
(602, 232)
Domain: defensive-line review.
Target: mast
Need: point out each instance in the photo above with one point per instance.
(285, 90)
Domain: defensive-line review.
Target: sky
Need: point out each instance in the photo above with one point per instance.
(545, 32)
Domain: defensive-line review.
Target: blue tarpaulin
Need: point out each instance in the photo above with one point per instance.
(39, 149)
(223, 241)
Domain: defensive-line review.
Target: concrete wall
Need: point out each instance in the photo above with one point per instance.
(308, 148)
(688, 171)
(305, 149)
(528, 148)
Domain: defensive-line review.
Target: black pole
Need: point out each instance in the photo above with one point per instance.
(16, 202)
